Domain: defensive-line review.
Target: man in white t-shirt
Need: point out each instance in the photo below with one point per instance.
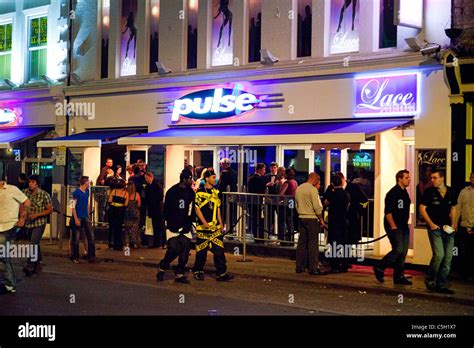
(13, 205)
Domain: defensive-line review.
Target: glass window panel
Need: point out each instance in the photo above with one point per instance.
(387, 29)
(304, 28)
(255, 30)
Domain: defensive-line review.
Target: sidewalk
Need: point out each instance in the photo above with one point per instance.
(359, 278)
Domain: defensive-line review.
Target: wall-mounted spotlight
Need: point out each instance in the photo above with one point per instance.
(162, 69)
(267, 58)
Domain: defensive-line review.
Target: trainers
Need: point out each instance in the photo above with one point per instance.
(402, 281)
(225, 278)
(378, 274)
(445, 291)
(199, 276)
(182, 280)
(160, 276)
(7, 289)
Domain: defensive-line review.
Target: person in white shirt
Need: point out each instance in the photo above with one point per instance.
(14, 206)
(310, 209)
(465, 235)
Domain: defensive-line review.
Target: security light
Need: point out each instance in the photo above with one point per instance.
(267, 58)
(162, 69)
(10, 83)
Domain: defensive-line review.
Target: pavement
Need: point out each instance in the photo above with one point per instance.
(359, 277)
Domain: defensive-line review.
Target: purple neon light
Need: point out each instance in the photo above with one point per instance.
(395, 95)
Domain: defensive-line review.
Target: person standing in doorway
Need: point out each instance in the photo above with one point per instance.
(288, 188)
(41, 207)
(14, 203)
(310, 219)
(397, 214)
(80, 223)
(179, 215)
(438, 208)
(103, 172)
(154, 206)
(209, 230)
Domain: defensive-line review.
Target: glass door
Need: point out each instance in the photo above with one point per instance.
(300, 159)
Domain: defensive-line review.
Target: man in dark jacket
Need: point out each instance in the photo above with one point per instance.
(256, 184)
(179, 215)
(227, 180)
(154, 206)
(338, 202)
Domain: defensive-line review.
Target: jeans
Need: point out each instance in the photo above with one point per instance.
(465, 243)
(308, 245)
(86, 228)
(442, 247)
(8, 275)
(36, 235)
(177, 247)
(399, 239)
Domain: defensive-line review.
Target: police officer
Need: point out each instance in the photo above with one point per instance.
(178, 212)
(209, 229)
(397, 213)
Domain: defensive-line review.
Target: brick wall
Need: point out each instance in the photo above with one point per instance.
(463, 17)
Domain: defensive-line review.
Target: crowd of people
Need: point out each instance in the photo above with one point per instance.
(195, 203)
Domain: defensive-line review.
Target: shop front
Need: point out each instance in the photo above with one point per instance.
(369, 125)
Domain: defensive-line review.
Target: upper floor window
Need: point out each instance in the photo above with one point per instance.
(192, 34)
(37, 47)
(255, 30)
(154, 34)
(104, 53)
(128, 38)
(5, 51)
(344, 26)
(222, 27)
(304, 28)
(387, 29)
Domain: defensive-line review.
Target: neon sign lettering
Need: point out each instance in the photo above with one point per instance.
(387, 96)
(214, 104)
(8, 117)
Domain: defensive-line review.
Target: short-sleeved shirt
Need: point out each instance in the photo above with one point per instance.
(397, 203)
(10, 199)
(82, 202)
(39, 203)
(437, 207)
(207, 200)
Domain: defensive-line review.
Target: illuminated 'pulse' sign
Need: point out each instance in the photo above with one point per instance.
(213, 104)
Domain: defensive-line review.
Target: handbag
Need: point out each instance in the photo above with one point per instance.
(148, 227)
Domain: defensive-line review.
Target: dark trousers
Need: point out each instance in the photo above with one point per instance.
(308, 245)
(36, 235)
(177, 247)
(399, 240)
(116, 218)
(256, 222)
(465, 243)
(76, 231)
(158, 232)
(219, 256)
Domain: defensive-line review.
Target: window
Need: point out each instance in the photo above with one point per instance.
(192, 34)
(255, 30)
(37, 47)
(304, 28)
(344, 26)
(222, 37)
(387, 29)
(5, 50)
(128, 38)
(154, 36)
(104, 53)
